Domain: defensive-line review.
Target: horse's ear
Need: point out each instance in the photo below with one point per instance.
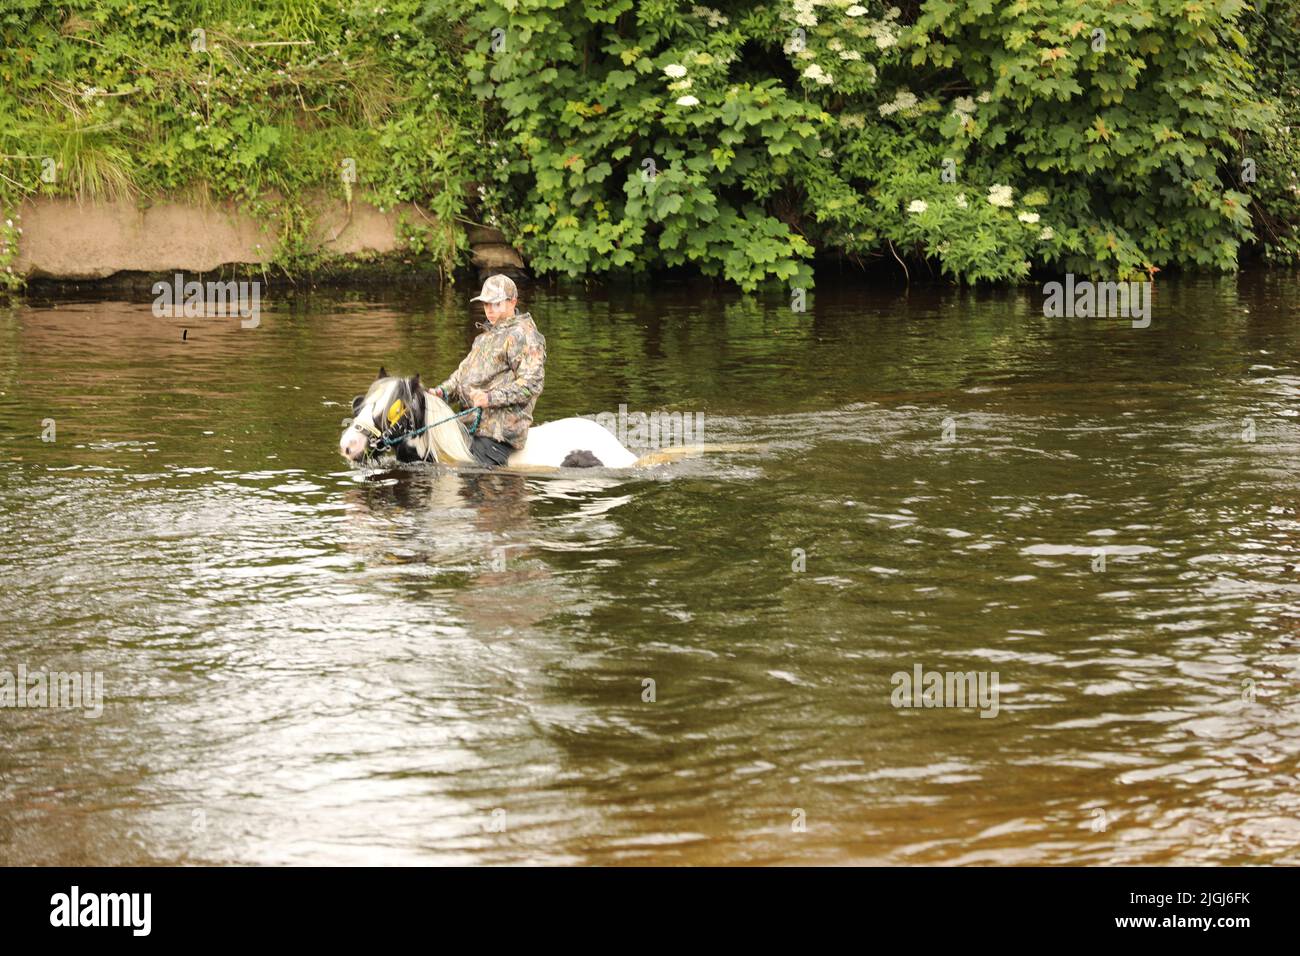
(383, 372)
(356, 404)
(414, 383)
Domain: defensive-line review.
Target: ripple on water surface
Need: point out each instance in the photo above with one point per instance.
(305, 662)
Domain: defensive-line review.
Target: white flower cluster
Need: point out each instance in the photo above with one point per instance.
(904, 101)
(815, 72)
(853, 121)
(714, 17)
(675, 70)
(963, 107)
(1029, 217)
(918, 205)
(1000, 196)
(885, 32)
(803, 13)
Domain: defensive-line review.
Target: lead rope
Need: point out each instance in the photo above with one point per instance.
(390, 442)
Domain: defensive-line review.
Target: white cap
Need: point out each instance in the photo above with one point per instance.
(498, 288)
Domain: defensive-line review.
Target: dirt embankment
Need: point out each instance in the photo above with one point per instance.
(63, 239)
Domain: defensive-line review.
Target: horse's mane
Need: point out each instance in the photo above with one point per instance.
(450, 439)
(447, 441)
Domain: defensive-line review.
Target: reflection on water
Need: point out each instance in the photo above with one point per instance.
(305, 662)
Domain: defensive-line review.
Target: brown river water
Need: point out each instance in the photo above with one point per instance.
(308, 662)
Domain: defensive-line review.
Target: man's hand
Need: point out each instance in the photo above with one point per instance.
(437, 393)
(477, 398)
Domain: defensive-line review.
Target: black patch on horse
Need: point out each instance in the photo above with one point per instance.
(581, 459)
(411, 394)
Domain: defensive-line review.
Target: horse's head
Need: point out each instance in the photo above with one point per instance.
(392, 407)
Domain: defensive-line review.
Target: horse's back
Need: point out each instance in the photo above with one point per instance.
(548, 445)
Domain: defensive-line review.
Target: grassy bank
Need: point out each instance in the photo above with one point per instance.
(259, 102)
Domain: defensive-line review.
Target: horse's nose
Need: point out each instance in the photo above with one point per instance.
(351, 446)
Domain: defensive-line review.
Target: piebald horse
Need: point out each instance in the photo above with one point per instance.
(397, 414)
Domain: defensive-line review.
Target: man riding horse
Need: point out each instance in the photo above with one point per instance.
(501, 378)
(502, 374)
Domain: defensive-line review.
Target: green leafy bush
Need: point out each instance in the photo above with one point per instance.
(778, 130)
(1273, 29)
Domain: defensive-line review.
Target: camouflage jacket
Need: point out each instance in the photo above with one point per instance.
(506, 361)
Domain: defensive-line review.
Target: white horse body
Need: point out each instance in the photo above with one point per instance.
(548, 445)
